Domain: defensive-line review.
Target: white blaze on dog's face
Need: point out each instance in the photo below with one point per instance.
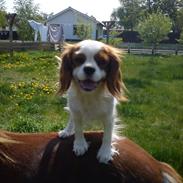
(87, 72)
(90, 63)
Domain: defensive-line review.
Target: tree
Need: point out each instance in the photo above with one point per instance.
(2, 14)
(2, 18)
(179, 20)
(2, 5)
(113, 40)
(129, 13)
(45, 16)
(154, 28)
(83, 29)
(181, 37)
(26, 10)
(170, 8)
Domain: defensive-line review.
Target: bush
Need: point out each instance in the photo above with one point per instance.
(154, 28)
(181, 37)
(130, 36)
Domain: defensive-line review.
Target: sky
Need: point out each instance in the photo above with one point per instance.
(100, 9)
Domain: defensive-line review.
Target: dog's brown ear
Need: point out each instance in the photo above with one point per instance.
(65, 74)
(115, 84)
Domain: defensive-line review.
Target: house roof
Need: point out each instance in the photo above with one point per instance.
(92, 18)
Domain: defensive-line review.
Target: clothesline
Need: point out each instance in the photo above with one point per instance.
(53, 32)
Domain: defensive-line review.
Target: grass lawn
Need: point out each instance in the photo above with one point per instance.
(153, 117)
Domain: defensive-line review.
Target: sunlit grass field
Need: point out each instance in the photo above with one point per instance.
(153, 117)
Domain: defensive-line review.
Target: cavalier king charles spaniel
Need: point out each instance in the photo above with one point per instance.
(90, 73)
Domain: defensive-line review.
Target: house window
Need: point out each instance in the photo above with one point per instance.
(81, 27)
(74, 29)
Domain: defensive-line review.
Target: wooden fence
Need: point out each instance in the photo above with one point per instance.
(22, 46)
(134, 48)
(164, 49)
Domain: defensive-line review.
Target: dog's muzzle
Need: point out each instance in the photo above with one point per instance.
(88, 84)
(89, 71)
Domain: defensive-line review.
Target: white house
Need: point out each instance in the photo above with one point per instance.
(69, 18)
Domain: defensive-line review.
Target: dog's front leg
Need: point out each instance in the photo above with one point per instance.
(69, 129)
(106, 150)
(80, 144)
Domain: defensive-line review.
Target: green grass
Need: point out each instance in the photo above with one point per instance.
(28, 100)
(153, 116)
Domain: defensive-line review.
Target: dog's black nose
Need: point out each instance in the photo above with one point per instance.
(89, 70)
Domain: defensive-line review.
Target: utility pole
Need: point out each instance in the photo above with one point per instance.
(108, 25)
(11, 18)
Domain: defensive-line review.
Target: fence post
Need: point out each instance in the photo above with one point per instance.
(11, 18)
(176, 49)
(153, 48)
(129, 48)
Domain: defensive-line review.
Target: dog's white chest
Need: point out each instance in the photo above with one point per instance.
(91, 108)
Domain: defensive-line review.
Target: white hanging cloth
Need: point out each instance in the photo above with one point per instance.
(39, 27)
(55, 32)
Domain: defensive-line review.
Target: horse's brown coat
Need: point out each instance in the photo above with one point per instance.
(44, 158)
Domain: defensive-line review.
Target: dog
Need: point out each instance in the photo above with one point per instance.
(90, 74)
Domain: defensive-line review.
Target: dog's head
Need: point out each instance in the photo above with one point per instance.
(91, 63)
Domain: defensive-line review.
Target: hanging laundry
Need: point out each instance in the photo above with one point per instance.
(35, 25)
(43, 30)
(55, 32)
(39, 27)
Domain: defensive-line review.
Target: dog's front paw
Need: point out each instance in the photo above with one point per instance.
(80, 147)
(65, 133)
(106, 154)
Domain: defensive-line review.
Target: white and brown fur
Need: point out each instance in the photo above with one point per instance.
(90, 73)
(43, 158)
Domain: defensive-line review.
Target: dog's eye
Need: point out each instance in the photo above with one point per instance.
(79, 59)
(102, 60)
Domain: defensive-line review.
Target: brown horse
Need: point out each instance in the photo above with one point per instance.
(45, 158)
